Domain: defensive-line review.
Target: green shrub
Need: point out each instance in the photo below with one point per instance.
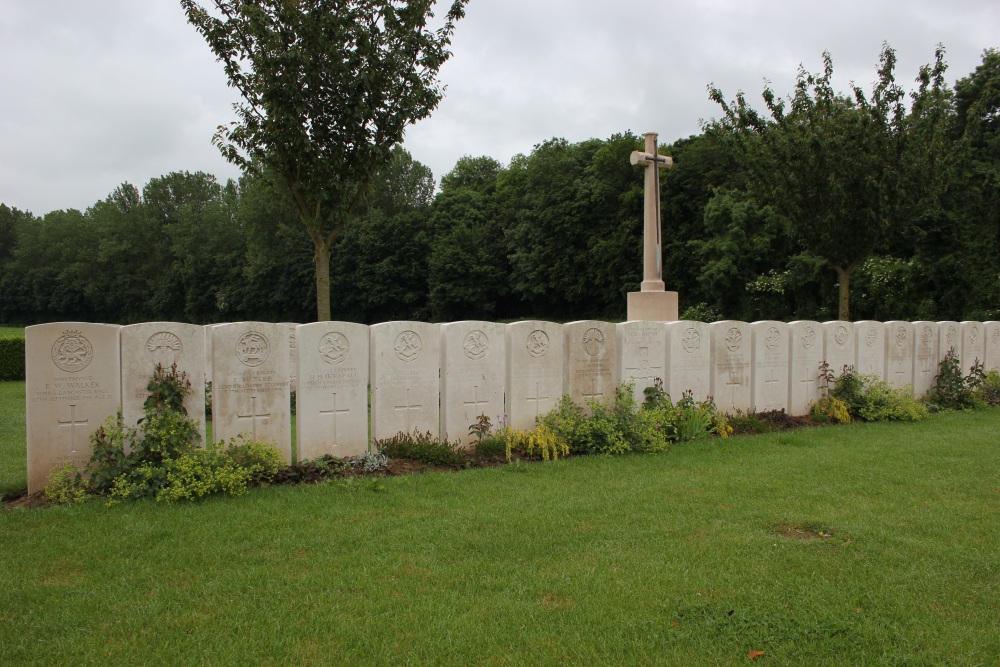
(65, 486)
(989, 392)
(564, 421)
(11, 359)
(953, 391)
(422, 447)
(872, 399)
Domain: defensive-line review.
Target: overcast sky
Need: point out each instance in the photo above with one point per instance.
(94, 93)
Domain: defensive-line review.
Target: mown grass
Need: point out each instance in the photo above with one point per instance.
(13, 457)
(691, 557)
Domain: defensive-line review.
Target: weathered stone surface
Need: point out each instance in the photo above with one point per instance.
(991, 330)
(405, 360)
(899, 349)
(838, 345)
(293, 358)
(925, 356)
(770, 365)
(590, 360)
(732, 343)
(534, 370)
(642, 354)
(251, 391)
(331, 402)
(973, 344)
(73, 383)
(870, 348)
(689, 360)
(949, 338)
(145, 345)
(805, 356)
(473, 364)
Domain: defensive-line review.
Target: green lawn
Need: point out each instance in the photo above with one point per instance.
(694, 557)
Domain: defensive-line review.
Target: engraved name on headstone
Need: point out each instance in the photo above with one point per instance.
(473, 363)
(731, 377)
(405, 370)
(73, 383)
(331, 402)
(642, 354)
(534, 370)
(689, 359)
(590, 360)
(770, 365)
(251, 391)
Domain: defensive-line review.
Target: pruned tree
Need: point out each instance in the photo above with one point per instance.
(328, 88)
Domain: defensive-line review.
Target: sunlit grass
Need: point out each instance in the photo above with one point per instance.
(693, 557)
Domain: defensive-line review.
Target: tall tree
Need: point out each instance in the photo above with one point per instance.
(842, 169)
(328, 88)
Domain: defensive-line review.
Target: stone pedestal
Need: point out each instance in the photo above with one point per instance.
(652, 306)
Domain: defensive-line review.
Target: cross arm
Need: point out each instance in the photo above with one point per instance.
(646, 159)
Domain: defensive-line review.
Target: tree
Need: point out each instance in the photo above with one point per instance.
(328, 88)
(843, 170)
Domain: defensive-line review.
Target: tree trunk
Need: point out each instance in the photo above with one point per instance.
(321, 260)
(844, 278)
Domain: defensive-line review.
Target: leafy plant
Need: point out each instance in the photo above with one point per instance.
(872, 399)
(952, 391)
(369, 462)
(422, 447)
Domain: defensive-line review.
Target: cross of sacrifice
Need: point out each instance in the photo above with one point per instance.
(253, 416)
(652, 254)
(72, 423)
(334, 412)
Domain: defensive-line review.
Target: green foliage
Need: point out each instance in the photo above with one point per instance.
(952, 390)
(540, 442)
(870, 399)
(65, 486)
(11, 359)
(828, 408)
(989, 393)
(422, 447)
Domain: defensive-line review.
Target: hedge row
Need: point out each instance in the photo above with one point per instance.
(12, 359)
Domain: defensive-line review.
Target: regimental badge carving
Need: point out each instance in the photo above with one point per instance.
(734, 339)
(926, 336)
(164, 347)
(691, 340)
(252, 349)
(593, 341)
(900, 336)
(333, 348)
(72, 352)
(537, 343)
(951, 336)
(974, 335)
(841, 335)
(870, 337)
(808, 338)
(476, 345)
(772, 339)
(408, 345)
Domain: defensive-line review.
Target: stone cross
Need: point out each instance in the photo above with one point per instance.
(652, 256)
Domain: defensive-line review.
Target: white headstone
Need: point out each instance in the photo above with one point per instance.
(949, 338)
(869, 340)
(899, 350)
(770, 365)
(590, 360)
(473, 363)
(207, 330)
(534, 370)
(991, 331)
(145, 345)
(689, 360)
(293, 359)
(331, 403)
(806, 355)
(73, 383)
(838, 345)
(925, 356)
(251, 390)
(732, 342)
(973, 345)
(405, 369)
(642, 354)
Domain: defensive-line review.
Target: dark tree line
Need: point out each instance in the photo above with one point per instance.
(556, 234)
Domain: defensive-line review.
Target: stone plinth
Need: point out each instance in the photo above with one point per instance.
(473, 363)
(534, 370)
(652, 306)
(405, 360)
(73, 383)
(331, 401)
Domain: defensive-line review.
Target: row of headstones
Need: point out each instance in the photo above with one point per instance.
(441, 377)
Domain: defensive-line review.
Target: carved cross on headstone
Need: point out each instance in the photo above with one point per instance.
(72, 423)
(652, 253)
(253, 416)
(334, 412)
(407, 407)
(537, 398)
(475, 402)
(593, 394)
